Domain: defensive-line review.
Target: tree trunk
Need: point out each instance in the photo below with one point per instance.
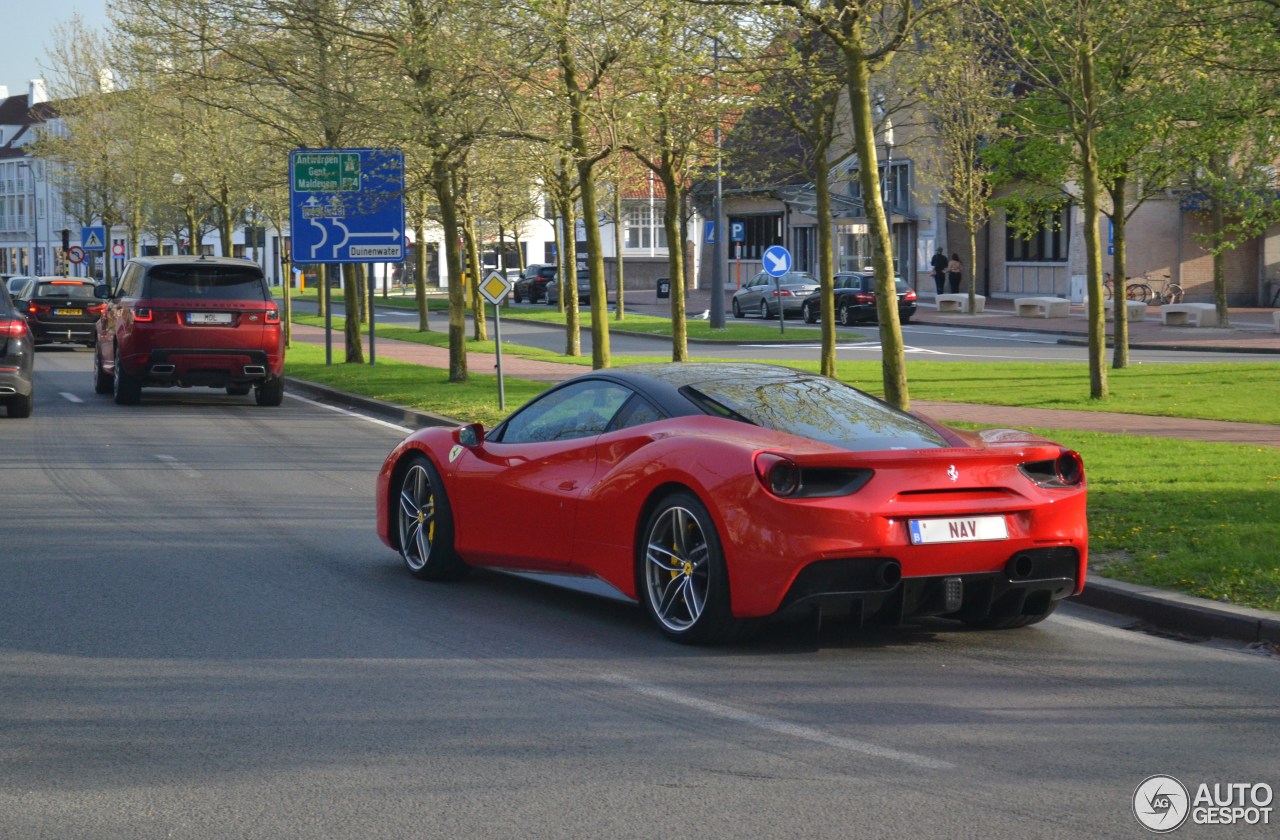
(618, 241)
(675, 265)
(351, 324)
(420, 262)
(1085, 137)
(442, 183)
(1119, 265)
(893, 351)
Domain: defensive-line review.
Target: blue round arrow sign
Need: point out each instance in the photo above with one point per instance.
(777, 260)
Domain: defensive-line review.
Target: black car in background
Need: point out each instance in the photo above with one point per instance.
(17, 355)
(584, 289)
(62, 309)
(533, 285)
(855, 300)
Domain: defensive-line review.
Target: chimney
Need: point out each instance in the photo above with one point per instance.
(36, 93)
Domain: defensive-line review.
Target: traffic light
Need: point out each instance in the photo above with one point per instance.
(66, 239)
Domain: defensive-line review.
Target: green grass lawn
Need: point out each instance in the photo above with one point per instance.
(1202, 518)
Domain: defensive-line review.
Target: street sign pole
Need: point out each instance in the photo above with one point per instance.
(497, 343)
(369, 282)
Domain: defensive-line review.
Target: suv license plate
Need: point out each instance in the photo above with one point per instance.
(208, 317)
(957, 529)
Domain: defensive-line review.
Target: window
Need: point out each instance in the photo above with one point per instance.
(1048, 244)
(209, 282)
(575, 411)
(642, 227)
(759, 232)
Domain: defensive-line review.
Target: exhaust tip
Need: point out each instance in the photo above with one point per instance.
(888, 573)
(1020, 567)
(255, 370)
(162, 368)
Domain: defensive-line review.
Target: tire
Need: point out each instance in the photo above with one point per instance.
(269, 393)
(681, 575)
(904, 320)
(239, 390)
(1106, 290)
(424, 523)
(1139, 291)
(846, 315)
(101, 382)
(125, 389)
(737, 309)
(807, 314)
(515, 293)
(20, 406)
(1011, 622)
(764, 311)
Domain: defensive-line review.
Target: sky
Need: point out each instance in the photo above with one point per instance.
(29, 26)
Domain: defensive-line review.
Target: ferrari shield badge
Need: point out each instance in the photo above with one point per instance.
(454, 453)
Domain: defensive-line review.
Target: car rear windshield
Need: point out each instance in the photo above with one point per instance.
(72, 291)
(212, 282)
(820, 409)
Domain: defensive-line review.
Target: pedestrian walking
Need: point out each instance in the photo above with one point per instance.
(939, 263)
(953, 273)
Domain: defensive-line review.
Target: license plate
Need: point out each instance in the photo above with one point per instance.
(68, 312)
(208, 317)
(957, 529)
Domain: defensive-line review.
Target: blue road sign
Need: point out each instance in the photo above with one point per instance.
(737, 231)
(94, 238)
(710, 237)
(346, 205)
(777, 260)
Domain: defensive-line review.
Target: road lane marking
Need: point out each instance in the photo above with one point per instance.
(780, 727)
(350, 413)
(70, 397)
(174, 464)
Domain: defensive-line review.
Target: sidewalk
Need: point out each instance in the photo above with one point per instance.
(1170, 611)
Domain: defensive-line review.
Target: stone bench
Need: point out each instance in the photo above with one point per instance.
(1042, 307)
(960, 303)
(1134, 310)
(1189, 315)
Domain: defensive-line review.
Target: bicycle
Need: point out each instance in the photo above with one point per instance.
(1168, 293)
(1131, 291)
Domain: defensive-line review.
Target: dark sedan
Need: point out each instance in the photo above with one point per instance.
(584, 289)
(533, 285)
(855, 300)
(16, 359)
(62, 309)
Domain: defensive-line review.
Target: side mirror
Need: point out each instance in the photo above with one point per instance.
(102, 292)
(470, 435)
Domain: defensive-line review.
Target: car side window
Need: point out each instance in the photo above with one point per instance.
(575, 411)
(131, 283)
(635, 412)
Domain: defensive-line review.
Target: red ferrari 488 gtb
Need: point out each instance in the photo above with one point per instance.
(715, 494)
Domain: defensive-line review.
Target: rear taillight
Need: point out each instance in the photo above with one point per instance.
(96, 308)
(863, 297)
(779, 475)
(273, 316)
(143, 314)
(910, 295)
(13, 328)
(782, 293)
(38, 309)
(1067, 470)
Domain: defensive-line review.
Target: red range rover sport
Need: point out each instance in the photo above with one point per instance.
(190, 322)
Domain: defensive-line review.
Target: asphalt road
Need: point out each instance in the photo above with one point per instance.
(201, 637)
(923, 341)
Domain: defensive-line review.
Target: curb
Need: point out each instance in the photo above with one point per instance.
(1170, 611)
(1178, 613)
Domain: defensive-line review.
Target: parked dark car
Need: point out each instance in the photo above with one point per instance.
(767, 295)
(17, 355)
(189, 322)
(584, 289)
(533, 285)
(61, 309)
(855, 300)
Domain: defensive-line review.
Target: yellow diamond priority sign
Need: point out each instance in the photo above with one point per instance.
(494, 287)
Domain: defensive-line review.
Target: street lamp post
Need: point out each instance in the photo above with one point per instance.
(35, 220)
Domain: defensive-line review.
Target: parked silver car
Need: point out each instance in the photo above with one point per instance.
(768, 295)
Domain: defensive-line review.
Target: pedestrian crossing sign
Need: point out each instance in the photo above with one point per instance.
(94, 238)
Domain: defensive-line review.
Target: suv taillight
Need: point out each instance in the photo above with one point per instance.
(273, 316)
(143, 314)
